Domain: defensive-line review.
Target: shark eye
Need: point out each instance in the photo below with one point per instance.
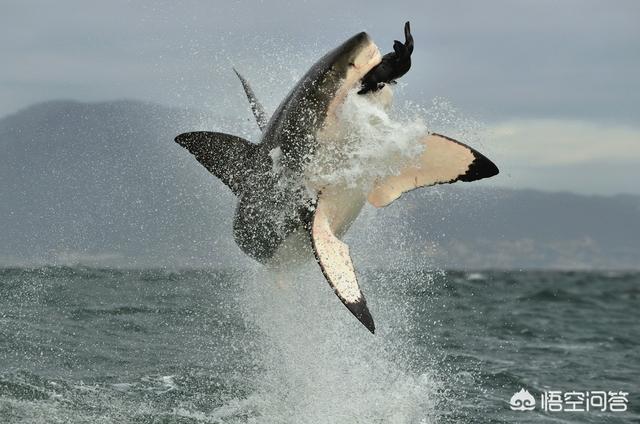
(353, 65)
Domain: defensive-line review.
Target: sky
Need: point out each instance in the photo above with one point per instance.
(550, 90)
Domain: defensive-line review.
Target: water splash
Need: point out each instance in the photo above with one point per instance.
(316, 362)
(371, 141)
(318, 365)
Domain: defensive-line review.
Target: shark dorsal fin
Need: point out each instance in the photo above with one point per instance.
(256, 107)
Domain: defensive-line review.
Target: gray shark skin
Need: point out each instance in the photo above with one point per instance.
(274, 204)
(278, 214)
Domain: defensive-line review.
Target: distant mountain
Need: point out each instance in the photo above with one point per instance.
(463, 227)
(104, 184)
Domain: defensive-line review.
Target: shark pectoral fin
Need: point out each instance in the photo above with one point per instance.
(333, 257)
(226, 156)
(443, 161)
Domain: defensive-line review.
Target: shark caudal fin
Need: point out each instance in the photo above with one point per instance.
(333, 257)
(256, 107)
(226, 156)
(443, 161)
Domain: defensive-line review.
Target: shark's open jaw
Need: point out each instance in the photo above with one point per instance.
(368, 57)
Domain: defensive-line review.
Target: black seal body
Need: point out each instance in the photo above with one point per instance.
(393, 65)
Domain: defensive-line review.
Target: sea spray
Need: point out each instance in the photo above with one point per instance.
(369, 142)
(313, 361)
(318, 365)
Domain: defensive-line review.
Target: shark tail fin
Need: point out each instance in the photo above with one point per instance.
(225, 156)
(256, 107)
(333, 257)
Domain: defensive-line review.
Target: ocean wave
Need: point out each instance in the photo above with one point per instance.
(554, 295)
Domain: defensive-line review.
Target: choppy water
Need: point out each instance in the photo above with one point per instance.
(104, 346)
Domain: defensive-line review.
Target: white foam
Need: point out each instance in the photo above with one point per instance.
(320, 365)
(370, 141)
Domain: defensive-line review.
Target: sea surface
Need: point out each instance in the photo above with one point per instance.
(83, 345)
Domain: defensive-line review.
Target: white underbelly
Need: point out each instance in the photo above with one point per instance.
(295, 250)
(343, 206)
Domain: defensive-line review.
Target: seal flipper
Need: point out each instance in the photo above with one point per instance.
(226, 156)
(333, 257)
(408, 38)
(443, 161)
(256, 107)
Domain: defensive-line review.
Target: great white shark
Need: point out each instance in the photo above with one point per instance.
(284, 212)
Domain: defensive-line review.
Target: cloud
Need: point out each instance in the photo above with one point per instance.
(565, 155)
(557, 81)
(498, 59)
(556, 142)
